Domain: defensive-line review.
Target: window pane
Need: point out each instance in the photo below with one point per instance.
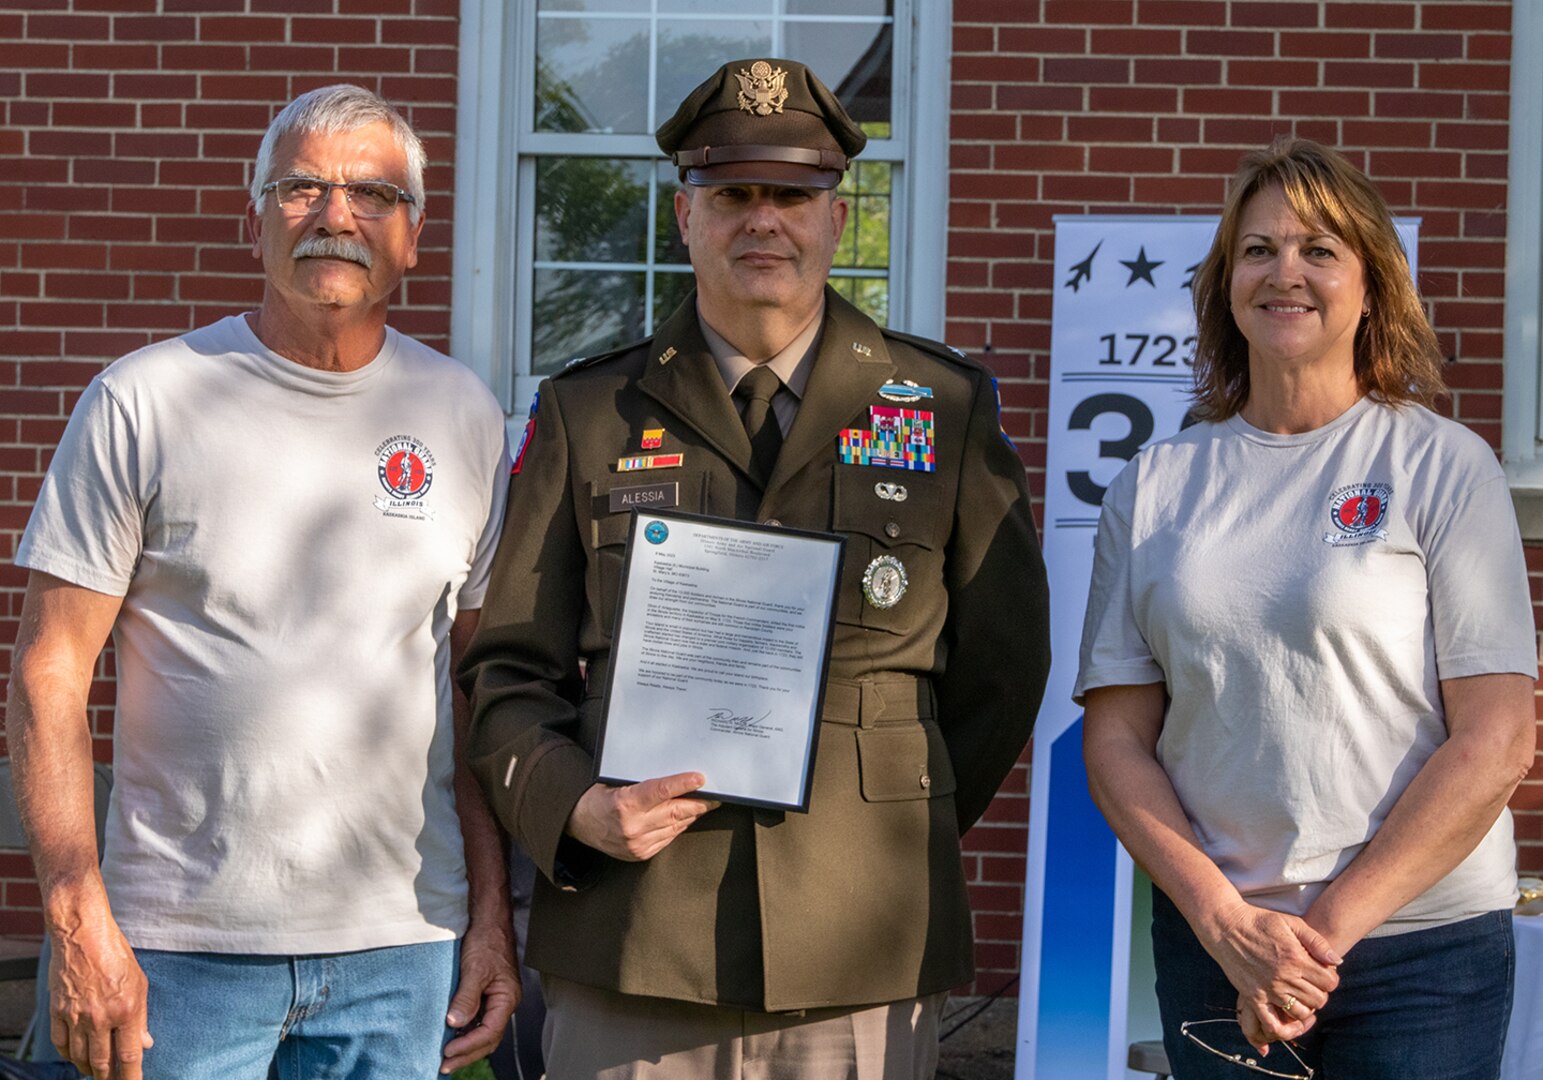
(668, 250)
(866, 241)
(582, 312)
(591, 210)
(691, 51)
(869, 295)
(853, 59)
(592, 5)
(592, 75)
(670, 290)
(841, 7)
(739, 7)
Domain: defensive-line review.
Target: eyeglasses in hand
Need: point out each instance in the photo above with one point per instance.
(1225, 1039)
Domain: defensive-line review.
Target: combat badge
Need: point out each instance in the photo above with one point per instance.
(896, 439)
(904, 391)
(884, 582)
(761, 92)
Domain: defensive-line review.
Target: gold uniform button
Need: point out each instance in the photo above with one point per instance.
(926, 781)
(892, 530)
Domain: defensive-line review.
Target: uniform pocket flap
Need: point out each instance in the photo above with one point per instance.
(892, 506)
(904, 761)
(611, 529)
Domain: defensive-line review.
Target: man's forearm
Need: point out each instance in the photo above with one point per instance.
(62, 630)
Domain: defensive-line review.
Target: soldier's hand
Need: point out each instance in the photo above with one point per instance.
(636, 822)
(97, 1001)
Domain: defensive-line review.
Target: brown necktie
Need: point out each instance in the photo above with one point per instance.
(756, 390)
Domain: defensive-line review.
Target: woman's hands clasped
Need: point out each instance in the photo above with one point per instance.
(1283, 969)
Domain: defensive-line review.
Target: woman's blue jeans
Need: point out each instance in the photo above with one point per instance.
(1426, 1005)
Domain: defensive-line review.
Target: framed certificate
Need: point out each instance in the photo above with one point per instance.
(718, 661)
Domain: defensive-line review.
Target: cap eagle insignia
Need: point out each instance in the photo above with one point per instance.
(760, 89)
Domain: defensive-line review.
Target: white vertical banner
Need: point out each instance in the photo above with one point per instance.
(1121, 347)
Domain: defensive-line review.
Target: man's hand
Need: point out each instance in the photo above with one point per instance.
(96, 994)
(636, 822)
(488, 993)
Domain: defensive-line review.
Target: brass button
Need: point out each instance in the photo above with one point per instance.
(926, 781)
(892, 530)
(773, 522)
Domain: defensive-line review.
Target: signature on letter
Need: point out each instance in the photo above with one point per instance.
(727, 718)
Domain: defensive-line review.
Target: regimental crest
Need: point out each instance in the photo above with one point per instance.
(1357, 512)
(405, 469)
(761, 92)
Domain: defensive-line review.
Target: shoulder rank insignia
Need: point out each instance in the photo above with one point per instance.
(896, 438)
(761, 92)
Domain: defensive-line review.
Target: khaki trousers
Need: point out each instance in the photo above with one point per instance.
(594, 1034)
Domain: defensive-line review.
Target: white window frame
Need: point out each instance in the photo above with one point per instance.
(491, 263)
(1522, 419)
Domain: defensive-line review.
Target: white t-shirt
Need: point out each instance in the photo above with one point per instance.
(291, 546)
(1301, 596)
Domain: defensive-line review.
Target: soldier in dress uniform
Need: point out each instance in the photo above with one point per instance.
(677, 937)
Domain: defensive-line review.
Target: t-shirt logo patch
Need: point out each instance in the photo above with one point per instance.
(405, 468)
(1357, 511)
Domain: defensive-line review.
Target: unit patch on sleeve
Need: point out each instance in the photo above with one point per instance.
(896, 439)
(530, 429)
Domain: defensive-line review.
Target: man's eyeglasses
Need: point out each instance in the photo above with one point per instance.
(1224, 1038)
(301, 195)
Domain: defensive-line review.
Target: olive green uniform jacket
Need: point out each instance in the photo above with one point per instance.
(928, 704)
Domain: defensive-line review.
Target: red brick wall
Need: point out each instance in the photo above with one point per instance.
(127, 133)
(1144, 106)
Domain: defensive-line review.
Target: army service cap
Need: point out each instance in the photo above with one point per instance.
(762, 121)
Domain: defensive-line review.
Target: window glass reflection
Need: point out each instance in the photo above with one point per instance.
(592, 75)
(591, 210)
(583, 312)
(853, 59)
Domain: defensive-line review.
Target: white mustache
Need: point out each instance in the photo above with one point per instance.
(333, 247)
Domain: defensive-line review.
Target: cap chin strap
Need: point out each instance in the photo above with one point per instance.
(795, 155)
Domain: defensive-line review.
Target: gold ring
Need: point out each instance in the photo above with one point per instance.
(1291, 1005)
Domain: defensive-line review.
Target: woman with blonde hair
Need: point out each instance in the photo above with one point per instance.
(1308, 663)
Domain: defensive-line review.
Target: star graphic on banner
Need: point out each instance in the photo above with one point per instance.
(1141, 268)
(1189, 282)
(1083, 271)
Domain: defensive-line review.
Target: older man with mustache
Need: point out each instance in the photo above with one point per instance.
(287, 519)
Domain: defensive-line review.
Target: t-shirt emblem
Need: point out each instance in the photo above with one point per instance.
(405, 468)
(1357, 512)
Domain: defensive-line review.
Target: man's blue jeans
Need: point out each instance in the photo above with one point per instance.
(372, 1015)
(1431, 1003)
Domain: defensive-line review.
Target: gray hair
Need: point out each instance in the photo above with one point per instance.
(333, 110)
